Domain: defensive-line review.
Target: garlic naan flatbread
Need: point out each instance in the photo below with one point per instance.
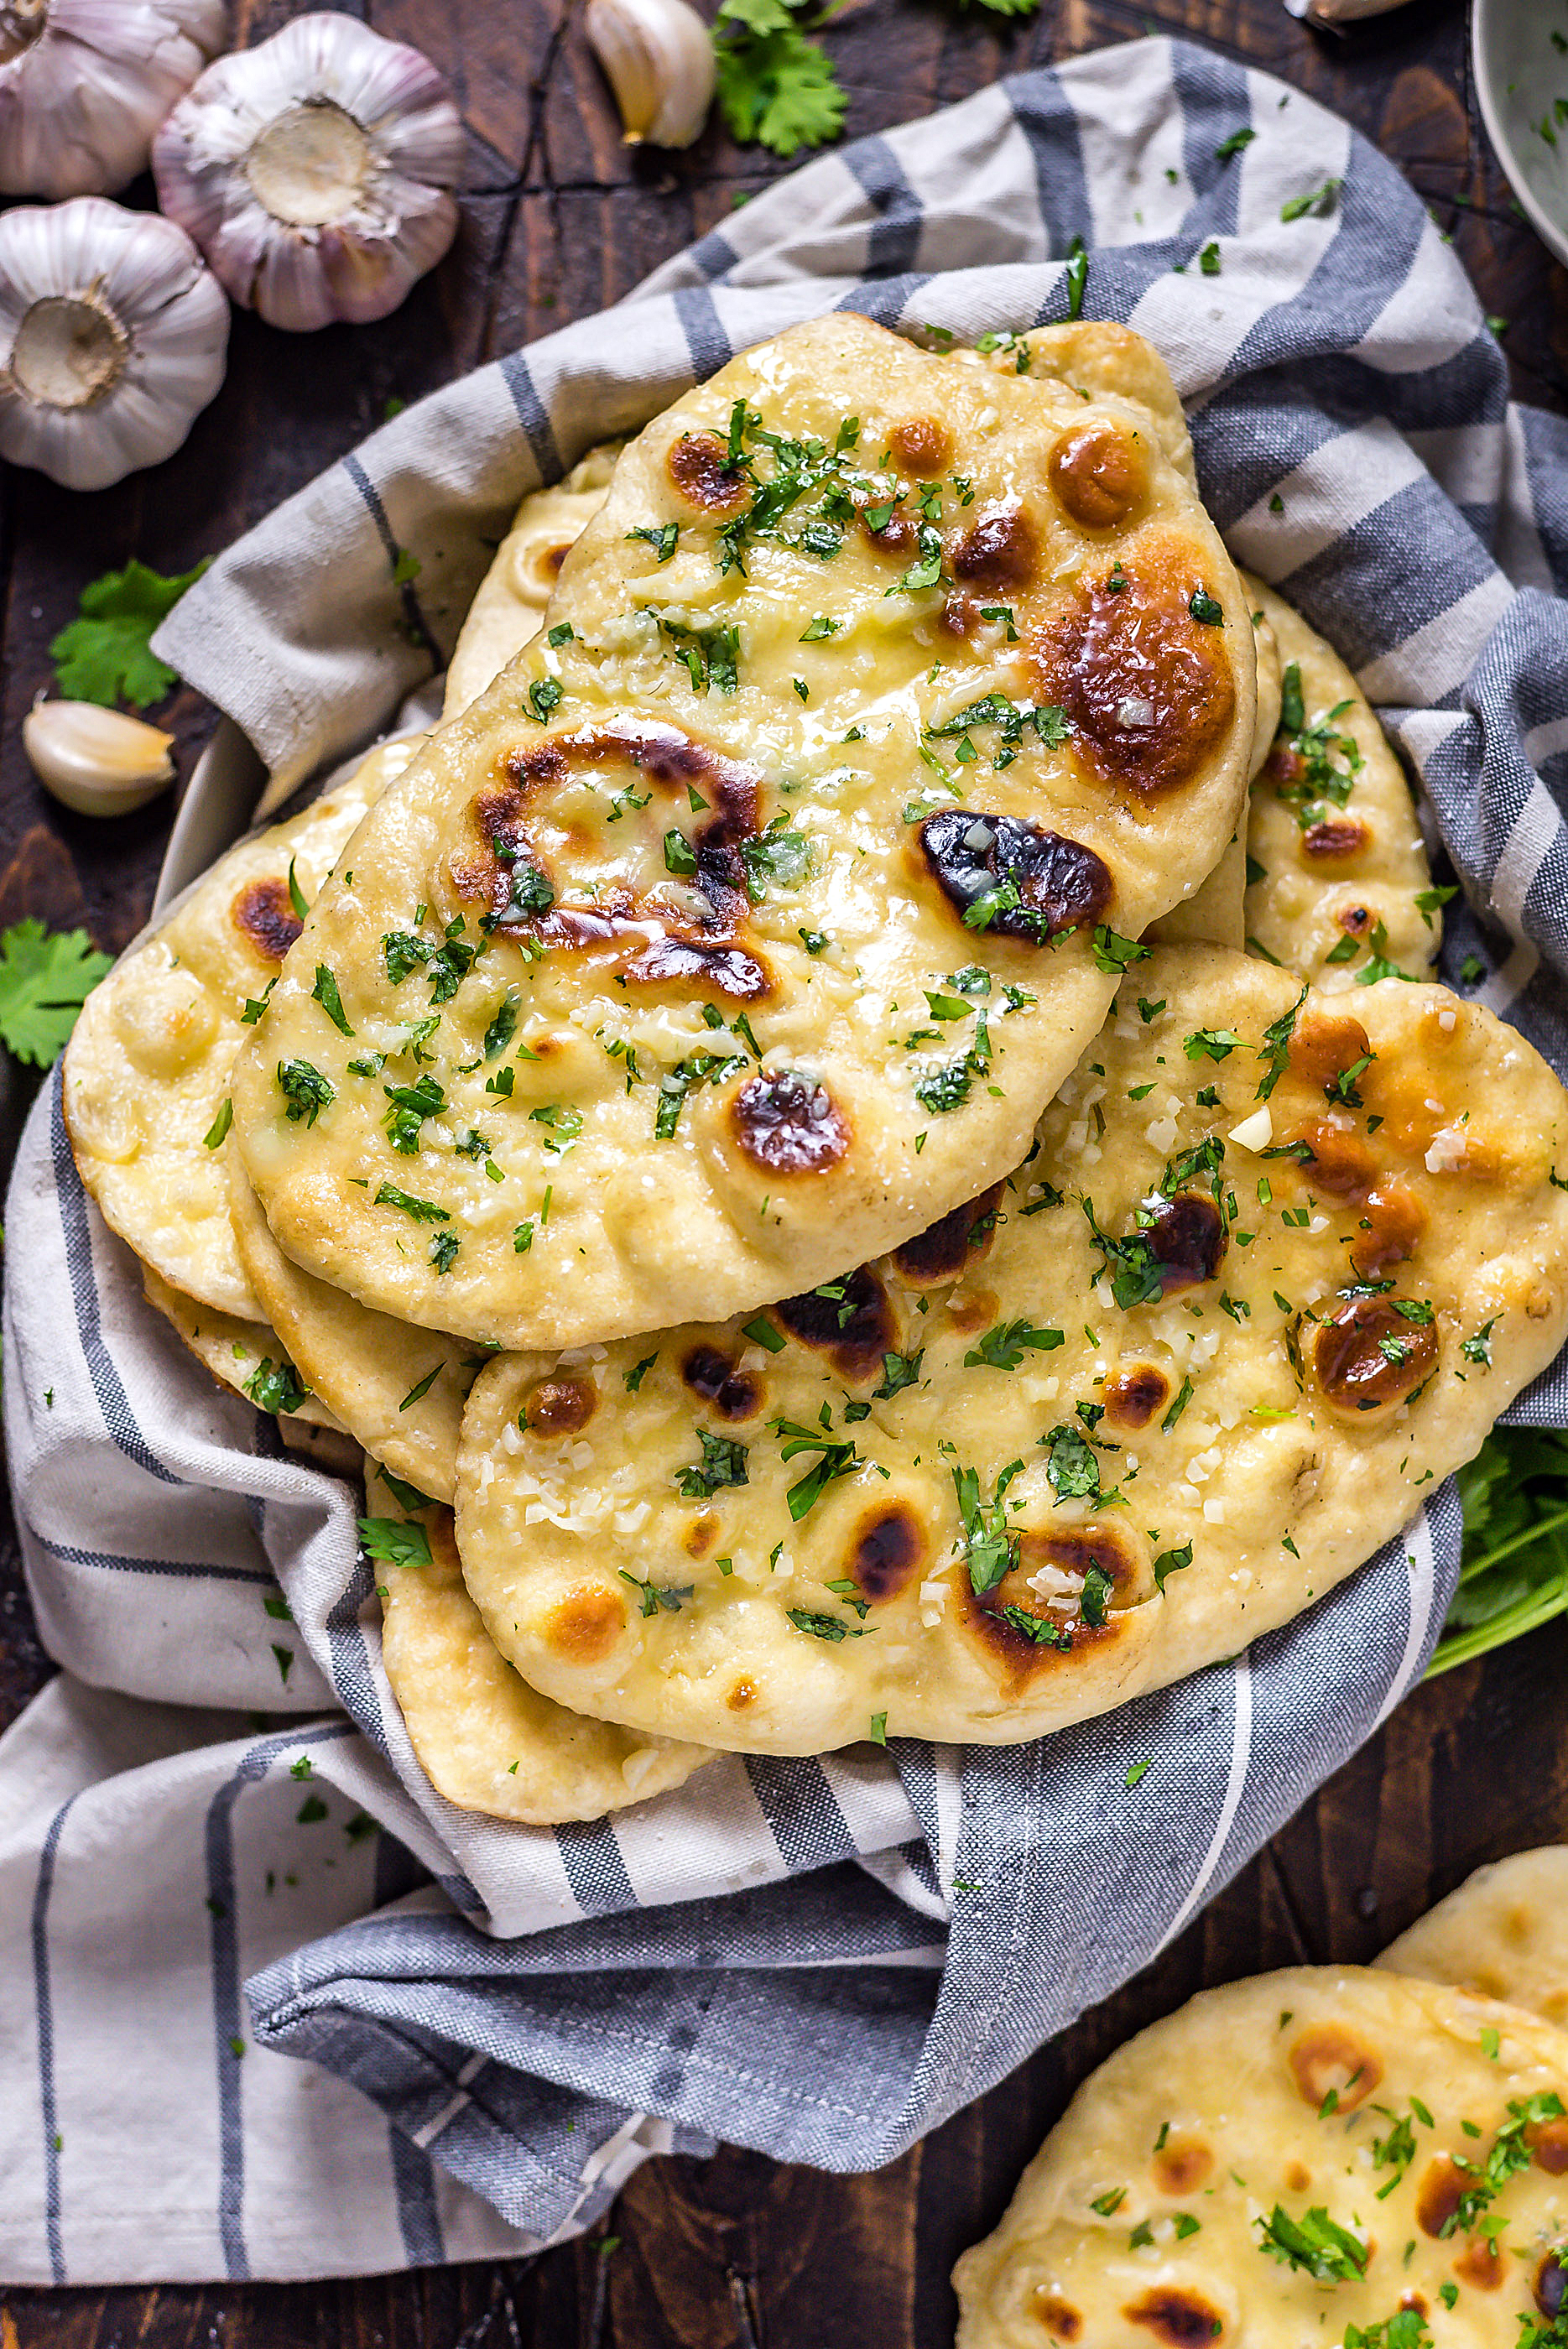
(398, 1390)
(508, 611)
(1340, 888)
(1322, 2155)
(926, 666)
(146, 1067)
(486, 1741)
(243, 1355)
(1271, 1270)
(1504, 1934)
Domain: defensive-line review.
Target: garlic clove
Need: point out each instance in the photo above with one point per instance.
(315, 171)
(83, 86)
(95, 760)
(658, 58)
(113, 338)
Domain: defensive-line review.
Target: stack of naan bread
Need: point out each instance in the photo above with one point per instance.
(816, 1113)
(1335, 2155)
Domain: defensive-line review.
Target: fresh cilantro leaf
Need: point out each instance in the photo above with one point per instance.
(1113, 953)
(825, 1626)
(277, 1386)
(1318, 204)
(105, 655)
(1003, 1349)
(225, 1118)
(898, 1371)
(44, 978)
(776, 88)
(423, 1211)
(305, 1089)
(326, 993)
(392, 1543)
(1314, 2243)
(723, 1462)
(1071, 1464)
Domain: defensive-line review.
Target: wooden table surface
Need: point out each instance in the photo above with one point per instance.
(558, 219)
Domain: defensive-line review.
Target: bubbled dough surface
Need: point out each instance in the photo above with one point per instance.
(232, 1350)
(509, 610)
(147, 1069)
(1504, 1934)
(1241, 2096)
(544, 1524)
(1296, 909)
(365, 1365)
(470, 1718)
(638, 1228)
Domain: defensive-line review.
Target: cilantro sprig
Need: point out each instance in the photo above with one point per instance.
(105, 655)
(777, 88)
(46, 977)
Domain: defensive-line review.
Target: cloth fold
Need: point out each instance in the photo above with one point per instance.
(219, 1853)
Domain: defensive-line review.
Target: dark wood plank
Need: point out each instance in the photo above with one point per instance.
(559, 218)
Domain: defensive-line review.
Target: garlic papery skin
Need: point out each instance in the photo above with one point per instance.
(315, 171)
(113, 338)
(95, 760)
(658, 60)
(84, 84)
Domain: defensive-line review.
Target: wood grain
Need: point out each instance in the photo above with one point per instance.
(559, 218)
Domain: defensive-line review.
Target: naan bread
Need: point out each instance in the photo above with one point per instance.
(243, 1355)
(486, 1740)
(1504, 1934)
(508, 611)
(398, 1391)
(146, 1067)
(1385, 1266)
(1341, 885)
(1285, 2162)
(718, 907)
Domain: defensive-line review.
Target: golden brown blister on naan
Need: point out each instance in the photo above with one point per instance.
(1340, 883)
(678, 886)
(1502, 1934)
(1269, 1272)
(146, 1067)
(484, 1738)
(1286, 2160)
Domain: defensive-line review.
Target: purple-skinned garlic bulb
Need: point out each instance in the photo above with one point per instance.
(315, 171)
(113, 338)
(84, 84)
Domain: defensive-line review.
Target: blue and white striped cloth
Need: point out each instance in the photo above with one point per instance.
(214, 1837)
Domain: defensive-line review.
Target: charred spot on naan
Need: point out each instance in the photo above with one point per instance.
(1182, 2164)
(1335, 840)
(921, 445)
(1000, 551)
(264, 914)
(850, 1323)
(1055, 2315)
(1550, 2286)
(1109, 1576)
(703, 951)
(734, 1395)
(1178, 2316)
(887, 1549)
(1391, 1230)
(1146, 689)
(1369, 1357)
(1133, 1395)
(951, 1245)
(1333, 2058)
(788, 1124)
(559, 1406)
(698, 466)
(1037, 884)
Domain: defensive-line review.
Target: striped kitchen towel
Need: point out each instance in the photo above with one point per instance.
(218, 1853)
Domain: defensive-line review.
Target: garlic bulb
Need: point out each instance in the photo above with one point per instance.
(84, 84)
(113, 338)
(98, 762)
(659, 60)
(315, 171)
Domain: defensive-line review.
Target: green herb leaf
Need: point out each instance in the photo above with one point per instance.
(44, 978)
(389, 1542)
(105, 655)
